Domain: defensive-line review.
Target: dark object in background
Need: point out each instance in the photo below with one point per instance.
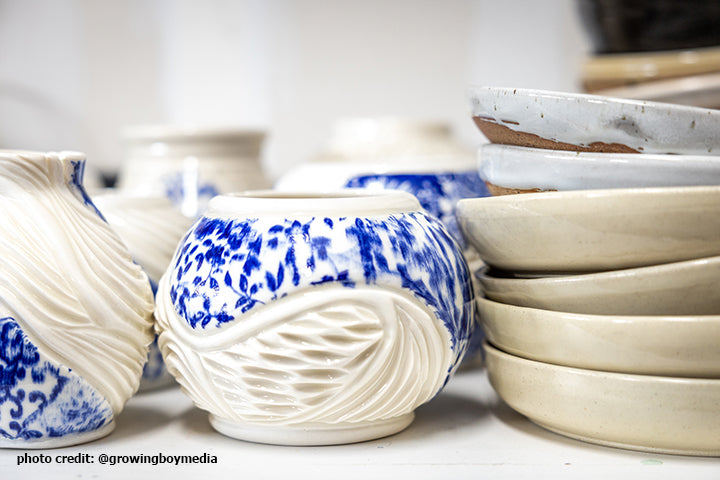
(623, 26)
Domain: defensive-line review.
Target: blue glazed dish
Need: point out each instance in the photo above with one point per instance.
(320, 302)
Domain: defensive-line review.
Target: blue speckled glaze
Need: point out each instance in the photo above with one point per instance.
(154, 369)
(438, 193)
(176, 190)
(227, 267)
(76, 183)
(39, 399)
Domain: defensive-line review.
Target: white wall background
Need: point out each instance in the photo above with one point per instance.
(73, 73)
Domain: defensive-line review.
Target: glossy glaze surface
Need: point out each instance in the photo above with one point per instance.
(639, 412)
(680, 346)
(593, 230)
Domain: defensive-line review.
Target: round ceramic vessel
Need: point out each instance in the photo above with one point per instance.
(678, 346)
(151, 227)
(510, 169)
(651, 413)
(75, 310)
(593, 230)
(191, 165)
(581, 122)
(309, 320)
(680, 288)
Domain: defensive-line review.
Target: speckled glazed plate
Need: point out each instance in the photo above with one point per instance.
(680, 346)
(593, 230)
(680, 288)
(581, 122)
(640, 412)
(511, 169)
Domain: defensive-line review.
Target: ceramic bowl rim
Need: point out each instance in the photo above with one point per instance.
(298, 203)
(482, 91)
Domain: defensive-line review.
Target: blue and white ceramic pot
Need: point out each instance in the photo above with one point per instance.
(151, 227)
(190, 165)
(307, 320)
(438, 182)
(75, 310)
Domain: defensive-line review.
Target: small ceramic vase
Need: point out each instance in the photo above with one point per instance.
(309, 320)
(75, 311)
(151, 227)
(191, 165)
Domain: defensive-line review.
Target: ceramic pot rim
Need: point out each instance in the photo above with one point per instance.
(190, 133)
(346, 202)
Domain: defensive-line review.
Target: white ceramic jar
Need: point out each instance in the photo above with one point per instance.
(75, 310)
(307, 320)
(151, 227)
(191, 165)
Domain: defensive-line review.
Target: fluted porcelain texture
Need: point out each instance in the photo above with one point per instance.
(75, 311)
(151, 227)
(315, 315)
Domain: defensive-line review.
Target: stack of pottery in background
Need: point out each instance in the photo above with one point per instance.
(664, 50)
(600, 305)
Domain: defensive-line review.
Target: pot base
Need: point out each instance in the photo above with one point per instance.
(58, 442)
(312, 434)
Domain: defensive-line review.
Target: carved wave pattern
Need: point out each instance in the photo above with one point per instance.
(67, 279)
(227, 267)
(39, 399)
(151, 228)
(438, 193)
(329, 355)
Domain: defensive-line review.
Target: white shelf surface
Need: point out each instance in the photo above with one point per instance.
(465, 432)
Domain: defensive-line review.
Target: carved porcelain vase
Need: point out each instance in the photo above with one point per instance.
(75, 311)
(151, 227)
(190, 165)
(308, 320)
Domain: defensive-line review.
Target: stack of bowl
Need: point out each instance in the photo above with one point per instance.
(661, 50)
(599, 300)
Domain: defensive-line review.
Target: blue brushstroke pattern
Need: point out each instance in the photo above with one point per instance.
(438, 193)
(39, 399)
(176, 190)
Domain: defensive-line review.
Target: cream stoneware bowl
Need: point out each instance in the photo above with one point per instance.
(640, 412)
(512, 169)
(582, 122)
(681, 288)
(593, 230)
(681, 346)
